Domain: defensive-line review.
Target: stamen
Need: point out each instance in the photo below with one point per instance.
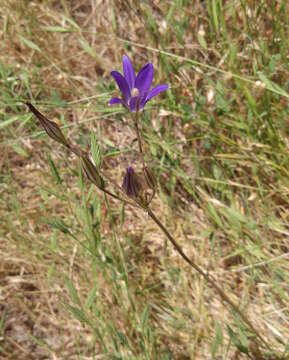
(135, 92)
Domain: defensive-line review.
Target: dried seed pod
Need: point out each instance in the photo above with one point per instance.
(50, 127)
(91, 172)
(150, 178)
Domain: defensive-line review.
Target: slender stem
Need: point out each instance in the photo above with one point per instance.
(54, 132)
(112, 195)
(208, 278)
(135, 120)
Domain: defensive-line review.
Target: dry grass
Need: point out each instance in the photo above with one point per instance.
(79, 281)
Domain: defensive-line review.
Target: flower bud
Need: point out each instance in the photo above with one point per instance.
(131, 184)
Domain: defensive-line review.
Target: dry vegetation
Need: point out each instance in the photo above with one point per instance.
(83, 278)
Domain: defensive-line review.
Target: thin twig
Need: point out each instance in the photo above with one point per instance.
(135, 120)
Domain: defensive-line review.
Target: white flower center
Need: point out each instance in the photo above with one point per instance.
(135, 92)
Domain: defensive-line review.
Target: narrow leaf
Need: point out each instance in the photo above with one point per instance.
(87, 48)
(218, 340)
(8, 121)
(57, 224)
(29, 44)
(73, 292)
(90, 298)
(270, 85)
(95, 150)
(78, 313)
(56, 29)
(241, 347)
(54, 170)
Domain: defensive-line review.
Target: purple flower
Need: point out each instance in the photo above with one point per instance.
(135, 89)
(131, 184)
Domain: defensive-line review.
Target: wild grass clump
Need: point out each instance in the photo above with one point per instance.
(87, 276)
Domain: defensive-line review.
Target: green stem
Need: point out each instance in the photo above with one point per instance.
(135, 120)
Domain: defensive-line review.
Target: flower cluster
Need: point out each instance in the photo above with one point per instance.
(135, 89)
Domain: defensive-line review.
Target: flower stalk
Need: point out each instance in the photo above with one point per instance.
(136, 104)
(136, 126)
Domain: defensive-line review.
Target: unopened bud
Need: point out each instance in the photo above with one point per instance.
(50, 127)
(131, 184)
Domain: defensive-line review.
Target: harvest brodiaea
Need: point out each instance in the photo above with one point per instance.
(135, 89)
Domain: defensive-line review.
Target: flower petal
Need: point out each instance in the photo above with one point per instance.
(143, 101)
(122, 84)
(133, 103)
(156, 90)
(114, 101)
(128, 72)
(144, 79)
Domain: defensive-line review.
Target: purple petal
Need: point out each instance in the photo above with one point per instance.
(133, 103)
(114, 101)
(122, 84)
(144, 79)
(143, 101)
(156, 90)
(128, 72)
